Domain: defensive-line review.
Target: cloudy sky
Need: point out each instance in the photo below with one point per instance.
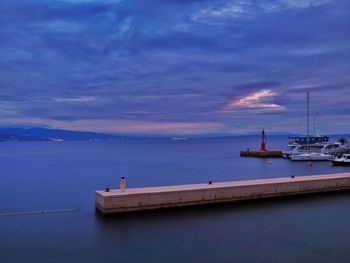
(175, 66)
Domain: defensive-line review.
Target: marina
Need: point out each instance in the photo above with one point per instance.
(305, 147)
(149, 198)
(316, 147)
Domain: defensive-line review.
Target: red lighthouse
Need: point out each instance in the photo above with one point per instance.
(262, 152)
(263, 141)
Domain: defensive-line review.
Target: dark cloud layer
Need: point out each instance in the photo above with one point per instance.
(181, 66)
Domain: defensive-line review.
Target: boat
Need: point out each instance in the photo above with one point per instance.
(312, 148)
(342, 161)
(304, 140)
(335, 148)
(312, 156)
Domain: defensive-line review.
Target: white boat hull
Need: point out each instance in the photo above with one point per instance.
(326, 149)
(342, 161)
(311, 157)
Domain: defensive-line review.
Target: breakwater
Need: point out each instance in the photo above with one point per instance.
(121, 200)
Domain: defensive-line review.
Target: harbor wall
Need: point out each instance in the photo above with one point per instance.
(137, 199)
(262, 154)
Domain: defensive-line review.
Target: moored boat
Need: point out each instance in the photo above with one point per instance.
(312, 157)
(332, 148)
(342, 161)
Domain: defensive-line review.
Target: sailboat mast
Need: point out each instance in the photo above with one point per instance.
(308, 116)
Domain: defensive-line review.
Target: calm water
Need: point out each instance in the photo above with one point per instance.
(43, 175)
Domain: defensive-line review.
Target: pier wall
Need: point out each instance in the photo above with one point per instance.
(136, 199)
(262, 154)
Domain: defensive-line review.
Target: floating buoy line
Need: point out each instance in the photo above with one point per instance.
(39, 212)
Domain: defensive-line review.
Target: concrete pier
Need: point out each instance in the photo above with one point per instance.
(137, 199)
(262, 154)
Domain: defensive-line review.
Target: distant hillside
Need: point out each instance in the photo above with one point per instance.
(42, 134)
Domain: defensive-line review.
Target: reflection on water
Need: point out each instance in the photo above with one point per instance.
(44, 175)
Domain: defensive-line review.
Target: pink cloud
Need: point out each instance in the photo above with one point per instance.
(254, 101)
(76, 99)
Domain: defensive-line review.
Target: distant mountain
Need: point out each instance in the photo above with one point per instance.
(42, 134)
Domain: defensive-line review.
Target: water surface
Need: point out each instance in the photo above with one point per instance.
(45, 175)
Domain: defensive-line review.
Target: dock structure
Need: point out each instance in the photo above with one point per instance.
(138, 199)
(262, 154)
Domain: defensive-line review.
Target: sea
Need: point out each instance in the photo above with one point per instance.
(40, 176)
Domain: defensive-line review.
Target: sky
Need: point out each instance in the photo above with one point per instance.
(175, 66)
